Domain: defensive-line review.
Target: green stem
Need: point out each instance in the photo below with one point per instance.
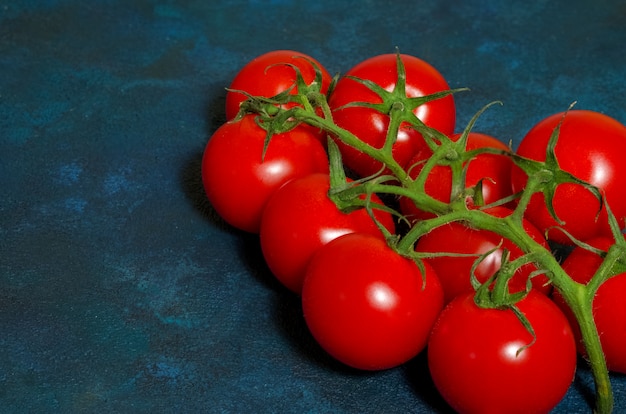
(352, 140)
(608, 268)
(580, 301)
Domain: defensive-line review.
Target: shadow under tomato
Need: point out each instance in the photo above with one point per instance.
(287, 312)
(190, 175)
(417, 374)
(251, 255)
(191, 183)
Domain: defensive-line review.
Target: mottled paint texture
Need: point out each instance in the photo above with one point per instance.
(120, 290)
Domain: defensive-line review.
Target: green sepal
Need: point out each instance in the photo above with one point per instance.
(548, 175)
(397, 98)
(498, 296)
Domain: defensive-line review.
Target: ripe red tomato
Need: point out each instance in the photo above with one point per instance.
(609, 306)
(270, 74)
(454, 272)
(591, 147)
(299, 218)
(371, 126)
(238, 182)
(494, 170)
(366, 305)
(474, 362)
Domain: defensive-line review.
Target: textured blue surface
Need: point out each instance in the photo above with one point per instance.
(120, 291)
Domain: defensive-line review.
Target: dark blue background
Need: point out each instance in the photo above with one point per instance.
(120, 291)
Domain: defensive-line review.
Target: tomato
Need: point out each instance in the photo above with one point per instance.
(609, 307)
(454, 272)
(591, 147)
(493, 169)
(474, 362)
(270, 74)
(238, 182)
(371, 126)
(366, 305)
(299, 218)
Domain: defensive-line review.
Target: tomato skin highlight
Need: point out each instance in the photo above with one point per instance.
(609, 306)
(493, 169)
(269, 74)
(299, 218)
(366, 305)
(454, 272)
(591, 147)
(371, 126)
(238, 182)
(473, 363)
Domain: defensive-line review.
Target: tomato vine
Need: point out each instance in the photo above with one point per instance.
(309, 105)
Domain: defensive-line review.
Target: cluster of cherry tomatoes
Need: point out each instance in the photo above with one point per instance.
(369, 306)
